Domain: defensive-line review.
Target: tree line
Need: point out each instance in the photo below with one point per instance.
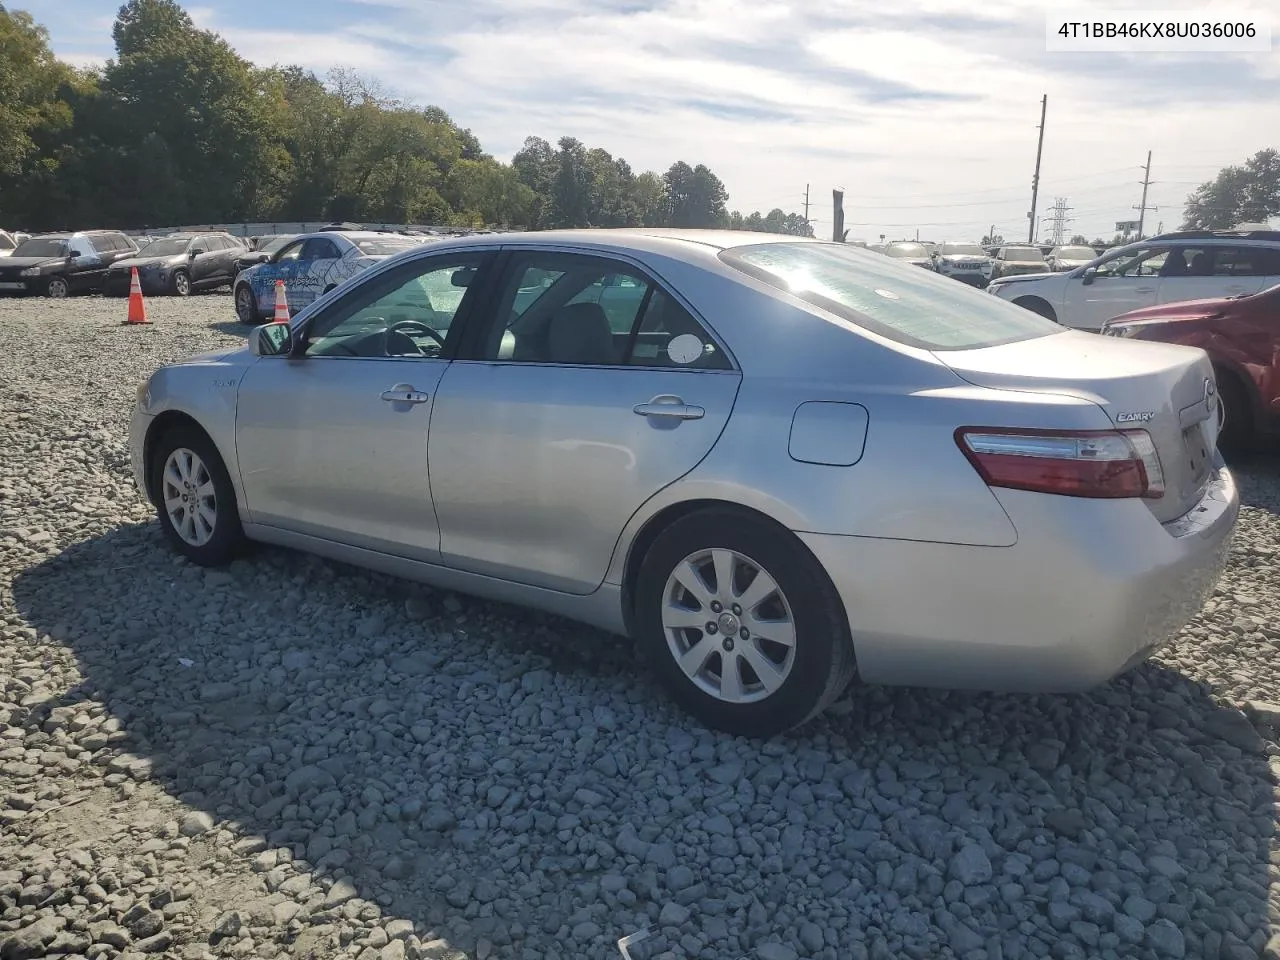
(178, 128)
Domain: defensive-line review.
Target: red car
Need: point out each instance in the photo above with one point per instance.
(1242, 337)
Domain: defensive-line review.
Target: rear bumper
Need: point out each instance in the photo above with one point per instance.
(1091, 589)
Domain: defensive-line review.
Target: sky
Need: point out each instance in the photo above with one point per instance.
(925, 113)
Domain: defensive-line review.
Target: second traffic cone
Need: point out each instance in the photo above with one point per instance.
(137, 306)
(282, 304)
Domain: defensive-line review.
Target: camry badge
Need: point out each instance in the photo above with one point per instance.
(1137, 416)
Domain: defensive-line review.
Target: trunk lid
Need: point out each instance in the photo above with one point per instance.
(1166, 389)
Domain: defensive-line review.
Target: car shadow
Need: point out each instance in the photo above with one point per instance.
(1258, 478)
(407, 740)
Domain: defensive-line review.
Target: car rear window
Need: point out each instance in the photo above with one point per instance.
(386, 246)
(912, 307)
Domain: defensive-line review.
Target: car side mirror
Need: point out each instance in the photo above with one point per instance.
(1090, 274)
(196, 252)
(271, 340)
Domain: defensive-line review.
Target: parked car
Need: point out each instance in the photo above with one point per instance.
(777, 462)
(916, 254)
(963, 260)
(7, 243)
(179, 264)
(1242, 337)
(1017, 259)
(60, 264)
(1165, 269)
(1068, 257)
(262, 250)
(310, 266)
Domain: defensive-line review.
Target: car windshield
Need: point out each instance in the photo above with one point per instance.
(386, 246)
(962, 250)
(41, 247)
(1074, 253)
(905, 250)
(921, 309)
(164, 248)
(1022, 254)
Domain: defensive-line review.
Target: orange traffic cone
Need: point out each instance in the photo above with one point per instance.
(282, 304)
(137, 306)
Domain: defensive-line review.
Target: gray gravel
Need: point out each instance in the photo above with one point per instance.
(295, 759)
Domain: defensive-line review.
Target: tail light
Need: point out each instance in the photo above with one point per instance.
(1075, 463)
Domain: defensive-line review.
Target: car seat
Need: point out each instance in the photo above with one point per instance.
(580, 333)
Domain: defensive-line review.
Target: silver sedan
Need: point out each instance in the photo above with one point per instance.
(777, 463)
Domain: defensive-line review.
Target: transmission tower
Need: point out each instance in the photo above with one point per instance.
(1059, 219)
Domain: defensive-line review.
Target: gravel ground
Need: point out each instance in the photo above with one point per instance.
(294, 758)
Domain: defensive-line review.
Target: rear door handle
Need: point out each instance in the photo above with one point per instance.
(403, 393)
(669, 405)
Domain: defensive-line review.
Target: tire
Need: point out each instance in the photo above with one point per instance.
(58, 288)
(1237, 436)
(812, 672)
(186, 454)
(246, 305)
(180, 283)
(1038, 306)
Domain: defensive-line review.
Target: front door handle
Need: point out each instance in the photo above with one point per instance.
(669, 405)
(404, 393)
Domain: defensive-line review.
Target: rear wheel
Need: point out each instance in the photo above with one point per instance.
(58, 288)
(742, 624)
(246, 307)
(1237, 434)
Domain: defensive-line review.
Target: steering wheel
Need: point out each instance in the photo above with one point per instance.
(417, 326)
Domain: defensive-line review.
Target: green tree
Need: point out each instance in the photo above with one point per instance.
(649, 194)
(571, 199)
(186, 88)
(32, 91)
(1239, 194)
(695, 196)
(535, 166)
(485, 192)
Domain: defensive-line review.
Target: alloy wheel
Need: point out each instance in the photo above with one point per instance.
(728, 625)
(189, 498)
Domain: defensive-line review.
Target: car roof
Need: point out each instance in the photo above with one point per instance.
(626, 238)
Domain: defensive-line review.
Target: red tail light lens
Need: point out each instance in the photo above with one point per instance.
(1101, 464)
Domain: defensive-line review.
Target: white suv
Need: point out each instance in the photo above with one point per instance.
(1174, 267)
(963, 260)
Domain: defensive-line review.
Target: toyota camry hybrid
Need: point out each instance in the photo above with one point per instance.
(778, 463)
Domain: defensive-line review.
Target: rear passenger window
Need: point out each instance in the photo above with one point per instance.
(574, 309)
(1247, 262)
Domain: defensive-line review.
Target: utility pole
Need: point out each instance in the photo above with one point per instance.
(1143, 208)
(838, 231)
(1035, 180)
(806, 203)
(1059, 219)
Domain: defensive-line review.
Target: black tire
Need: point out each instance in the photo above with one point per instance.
(59, 288)
(246, 305)
(226, 541)
(822, 664)
(1237, 437)
(1038, 306)
(180, 283)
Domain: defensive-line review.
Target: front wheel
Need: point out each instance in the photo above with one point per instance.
(742, 624)
(195, 499)
(58, 288)
(181, 283)
(246, 307)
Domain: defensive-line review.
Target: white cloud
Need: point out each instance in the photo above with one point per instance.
(775, 94)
